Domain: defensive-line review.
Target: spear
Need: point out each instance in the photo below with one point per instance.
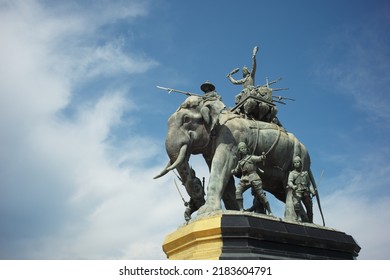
(282, 97)
(182, 198)
(317, 194)
(170, 90)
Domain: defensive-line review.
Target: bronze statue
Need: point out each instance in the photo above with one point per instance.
(247, 81)
(255, 102)
(247, 169)
(302, 190)
(204, 126)
(248, 77)
(257, 206)
(209, 90)
(196, 193)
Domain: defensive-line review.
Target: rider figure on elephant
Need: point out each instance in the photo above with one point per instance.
(247, 81)
(253, 108)
(247, 169)
(209, 90)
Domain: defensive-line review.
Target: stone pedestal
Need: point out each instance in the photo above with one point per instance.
(238, 235)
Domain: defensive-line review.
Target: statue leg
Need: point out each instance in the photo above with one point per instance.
(309, 206)
(189, 210)
(289, 212)
(241, 188)
(228, 197)
(258, 189)
(222, 164)
(297, 205)
(187, 214)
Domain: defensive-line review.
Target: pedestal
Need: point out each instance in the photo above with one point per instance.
(238, 235)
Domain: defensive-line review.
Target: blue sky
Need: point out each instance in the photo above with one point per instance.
(82, 124)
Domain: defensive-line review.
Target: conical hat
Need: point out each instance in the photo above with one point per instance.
(207, 86)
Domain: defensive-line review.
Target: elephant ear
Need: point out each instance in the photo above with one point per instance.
(205, 112)
(210, 113)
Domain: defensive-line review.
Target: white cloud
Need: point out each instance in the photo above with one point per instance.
(354, 64)
(67, 191)
(111, 60)
(359, 205)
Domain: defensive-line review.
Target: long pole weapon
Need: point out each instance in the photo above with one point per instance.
(170, 90)
(317, 194)
(182, 198)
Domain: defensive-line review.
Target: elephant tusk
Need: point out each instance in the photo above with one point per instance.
(180, 158)
(162, 173)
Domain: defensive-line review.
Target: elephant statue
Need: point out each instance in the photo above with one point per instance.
(203, 125)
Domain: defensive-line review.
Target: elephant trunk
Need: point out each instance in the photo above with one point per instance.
(179, 160)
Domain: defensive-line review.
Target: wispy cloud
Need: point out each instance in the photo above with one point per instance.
(358, 206)
(355, 65)
(67, 191)
(74, 187)
(363, 57)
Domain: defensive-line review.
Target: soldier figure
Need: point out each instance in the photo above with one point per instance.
(247, 81)
(247, 169)
(196, 193)
(253, 108)
(209, 90)
(299, 182)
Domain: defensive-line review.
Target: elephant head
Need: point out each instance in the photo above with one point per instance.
(189, 130)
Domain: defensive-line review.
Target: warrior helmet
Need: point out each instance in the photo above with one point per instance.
(207, 87)
(242, 145)
(297, 158)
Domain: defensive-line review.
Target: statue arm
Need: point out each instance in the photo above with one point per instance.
(254, 63)
(234, 81)
(236, 170)
(290, 181)
(311, 188)
(309, 185)
(258, 159)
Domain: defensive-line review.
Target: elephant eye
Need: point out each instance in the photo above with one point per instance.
(186, 119)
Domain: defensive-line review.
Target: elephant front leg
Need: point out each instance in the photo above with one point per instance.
(222, 164)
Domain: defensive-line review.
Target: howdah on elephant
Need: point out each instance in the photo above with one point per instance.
(203, 125)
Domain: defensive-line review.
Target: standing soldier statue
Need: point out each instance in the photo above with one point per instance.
(302, 190)
(247, 169)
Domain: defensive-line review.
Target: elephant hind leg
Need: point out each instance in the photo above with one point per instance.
(229, 196)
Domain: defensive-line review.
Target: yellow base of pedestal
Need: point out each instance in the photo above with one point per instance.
(199, 240)
(237, 235)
